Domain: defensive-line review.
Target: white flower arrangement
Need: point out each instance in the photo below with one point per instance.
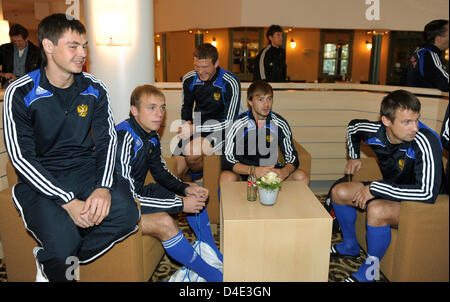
(270, 181)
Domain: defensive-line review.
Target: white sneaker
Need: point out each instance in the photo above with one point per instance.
(40, 276)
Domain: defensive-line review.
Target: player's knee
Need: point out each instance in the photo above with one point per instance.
(227, 176)
(376, 213)
(300, 175)
(339, 194)
(194, 160)
(166, 226)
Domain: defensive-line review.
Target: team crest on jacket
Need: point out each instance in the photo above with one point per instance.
(401, 164)
(269, 138)
(216, 96)
(82, 110)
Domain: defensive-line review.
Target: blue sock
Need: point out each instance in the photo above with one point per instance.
(202, 229)
(179, 248)
(346, 216)
(378, 240)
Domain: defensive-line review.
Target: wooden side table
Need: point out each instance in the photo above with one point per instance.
(289, 241)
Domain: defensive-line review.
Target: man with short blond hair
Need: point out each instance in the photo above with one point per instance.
(139, 152)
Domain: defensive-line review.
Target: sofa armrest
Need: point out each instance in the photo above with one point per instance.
(212, 166)
(370, 170)
(304, 157)
(422, 252)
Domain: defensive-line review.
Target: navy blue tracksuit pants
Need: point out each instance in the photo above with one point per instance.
(58, 235)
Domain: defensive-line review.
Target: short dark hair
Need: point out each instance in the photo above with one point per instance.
(17, 29)
(433, 29)
(54, 26)
(206, 51)
(258, 87)
(272, 30)
(140, 91)
(399, 99)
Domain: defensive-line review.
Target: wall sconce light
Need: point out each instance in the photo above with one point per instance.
(214, 42)
(4, 32)
(446, 54)
(368, 45)
(113, 23)
(293, 44)
(158, 53)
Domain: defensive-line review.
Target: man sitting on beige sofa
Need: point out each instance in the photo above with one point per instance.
(410, 158)
(138, 152)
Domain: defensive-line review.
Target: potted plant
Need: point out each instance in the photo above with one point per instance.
(268, 187)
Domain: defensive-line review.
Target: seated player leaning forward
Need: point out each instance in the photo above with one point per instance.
(410, 158)
(217, 97)
(139, 151)
(251, 145)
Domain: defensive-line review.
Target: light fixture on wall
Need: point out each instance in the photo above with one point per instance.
(158, 53)
(368, 45)
(214, 42)
(293, 44)
(4, 32)
(113, 23)
(446, 54)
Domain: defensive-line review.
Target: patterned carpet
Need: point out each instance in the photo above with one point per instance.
(340, 268)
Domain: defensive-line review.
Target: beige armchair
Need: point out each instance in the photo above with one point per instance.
(419, 249)
(133, 259)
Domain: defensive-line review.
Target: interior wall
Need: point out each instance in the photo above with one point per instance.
(180, 47)
(410, 15)
(302, 62)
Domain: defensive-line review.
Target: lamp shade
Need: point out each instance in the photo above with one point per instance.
(4, 32)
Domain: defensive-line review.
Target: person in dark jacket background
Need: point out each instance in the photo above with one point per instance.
(271, 61)
(425, 68)
(20, 56)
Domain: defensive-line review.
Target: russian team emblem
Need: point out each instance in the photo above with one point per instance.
(216, 96)
(82, 110)
(401, 164)
(269, 138)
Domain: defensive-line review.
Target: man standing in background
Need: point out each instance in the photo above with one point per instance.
(425, 68)
(20, 56)
(271, 61)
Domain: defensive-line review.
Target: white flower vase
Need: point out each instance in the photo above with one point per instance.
(268, 197)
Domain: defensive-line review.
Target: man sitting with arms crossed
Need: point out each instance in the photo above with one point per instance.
(410, 158)
(252, 141)
(139, 151)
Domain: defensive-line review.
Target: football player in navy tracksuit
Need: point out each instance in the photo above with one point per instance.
(410, 159)
(252, 141)
(216, 94)
(60, 136)
(445, 143)
(425, 68)
(139, 151)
